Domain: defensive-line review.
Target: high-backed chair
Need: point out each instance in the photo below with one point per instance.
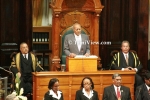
(65, 14)
(67, 31)
(116, 51)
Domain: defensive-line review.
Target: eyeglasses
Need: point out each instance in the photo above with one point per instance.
(87, 84)
(118, 79)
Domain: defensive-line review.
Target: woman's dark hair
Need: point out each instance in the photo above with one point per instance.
(92, 84)
(52, 82)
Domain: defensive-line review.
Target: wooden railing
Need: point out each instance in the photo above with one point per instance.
(70, 82)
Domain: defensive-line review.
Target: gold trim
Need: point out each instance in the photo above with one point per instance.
(134, 59)
(118, 59)
(33, 61)
(18, 61)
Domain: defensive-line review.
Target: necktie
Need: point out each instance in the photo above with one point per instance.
(126, 59)
(118, 94)
(25, 56)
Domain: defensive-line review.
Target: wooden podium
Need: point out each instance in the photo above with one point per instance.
(81, 64)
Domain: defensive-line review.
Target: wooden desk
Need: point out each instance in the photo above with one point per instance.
(70, 82)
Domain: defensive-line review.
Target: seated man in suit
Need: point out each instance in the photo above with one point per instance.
(116, 91)
(22, 66)
(127, 61)
(143, 91)
(76, 43)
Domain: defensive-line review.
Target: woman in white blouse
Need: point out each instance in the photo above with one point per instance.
(86, 91)
(54, 93)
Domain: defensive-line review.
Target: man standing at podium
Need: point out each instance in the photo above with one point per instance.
(76, 43)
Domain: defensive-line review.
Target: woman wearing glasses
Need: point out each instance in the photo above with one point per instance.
(86, 91)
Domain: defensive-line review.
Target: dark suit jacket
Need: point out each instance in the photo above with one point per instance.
(141, 93)
(118, 62)
(49, 97)
(16, 63)
(80, 96)
(110, 94)
(25, 67)
(70, 45)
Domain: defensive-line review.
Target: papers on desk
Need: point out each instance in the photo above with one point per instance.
(82, 56)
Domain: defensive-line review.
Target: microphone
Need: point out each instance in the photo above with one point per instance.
(138, 93)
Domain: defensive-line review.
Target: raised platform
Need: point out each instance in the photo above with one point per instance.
(70, 82)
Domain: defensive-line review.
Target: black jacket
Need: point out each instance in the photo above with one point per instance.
(80, 96)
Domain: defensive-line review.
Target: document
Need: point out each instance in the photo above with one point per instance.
(82, 56)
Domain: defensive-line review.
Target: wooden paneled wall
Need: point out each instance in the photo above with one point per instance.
(15, 26)
(124, 20)
(119, 20)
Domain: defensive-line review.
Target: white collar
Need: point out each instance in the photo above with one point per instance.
(25, 54)
(77, 36)
(51, 92)
(126, 54)
(88, 96)
(119, 89)
(147, 86)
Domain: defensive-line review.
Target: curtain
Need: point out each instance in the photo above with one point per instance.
(42, 14)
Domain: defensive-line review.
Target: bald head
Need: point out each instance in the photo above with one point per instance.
(77, 28)
(125, 47)
(24, 48)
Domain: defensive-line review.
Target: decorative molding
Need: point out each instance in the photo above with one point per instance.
(87, 22)
(63, 23)
(52, 3)
(75, 3)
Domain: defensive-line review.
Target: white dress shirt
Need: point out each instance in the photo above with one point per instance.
(127, 55)
(25, 55)
(78, 41)
(119, 89)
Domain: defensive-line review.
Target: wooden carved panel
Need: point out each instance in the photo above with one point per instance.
(67, 12)
(78, 4)
(68, 19)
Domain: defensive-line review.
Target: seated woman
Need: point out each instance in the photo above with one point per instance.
(53, 93)
(86, 91)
